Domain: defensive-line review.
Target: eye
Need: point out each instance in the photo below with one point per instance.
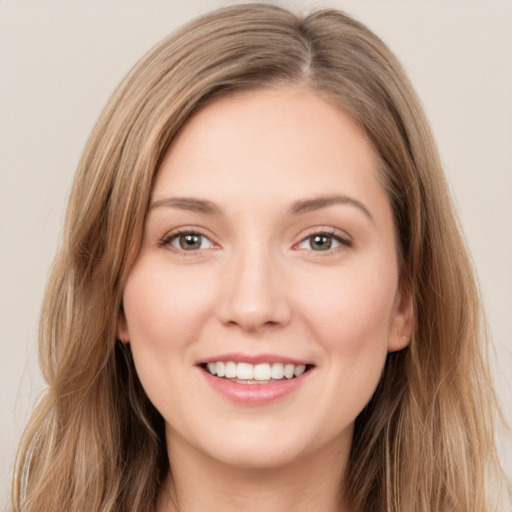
(323, 242)
(187, 241)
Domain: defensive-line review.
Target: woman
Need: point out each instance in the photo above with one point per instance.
(263, 300)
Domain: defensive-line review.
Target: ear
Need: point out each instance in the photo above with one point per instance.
(402, 323)
(122, 327)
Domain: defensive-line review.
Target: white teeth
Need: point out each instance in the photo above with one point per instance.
(244, 371)
(230, 370)
(277, 371)
(221, 369)
(299, 370)
(288, 371)
(260, 372)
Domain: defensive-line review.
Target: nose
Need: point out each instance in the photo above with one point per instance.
(254, 295)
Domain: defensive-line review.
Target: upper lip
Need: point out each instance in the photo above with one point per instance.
(253, 359)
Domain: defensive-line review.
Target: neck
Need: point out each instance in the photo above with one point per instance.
(199, 483)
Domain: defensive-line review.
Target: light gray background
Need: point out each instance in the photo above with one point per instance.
(59, 62)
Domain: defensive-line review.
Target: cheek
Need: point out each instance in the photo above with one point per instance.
(351, 307)
(164, 313)
(164, 308)
(353, 327)
(351, 316)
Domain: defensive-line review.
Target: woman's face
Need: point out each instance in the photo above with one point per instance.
(269, 260)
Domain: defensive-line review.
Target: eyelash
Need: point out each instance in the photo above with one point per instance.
(174, 235)
(344, 241)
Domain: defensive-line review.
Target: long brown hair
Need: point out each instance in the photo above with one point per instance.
(95, 442)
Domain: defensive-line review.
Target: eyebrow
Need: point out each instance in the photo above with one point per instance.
(188, 203)
(317, 203)
(297, 208)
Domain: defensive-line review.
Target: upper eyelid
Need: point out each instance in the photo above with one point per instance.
(317, 230)
(174, 233)
(343, 238)
(329, 231)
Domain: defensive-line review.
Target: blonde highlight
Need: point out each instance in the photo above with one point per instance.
(424, 442)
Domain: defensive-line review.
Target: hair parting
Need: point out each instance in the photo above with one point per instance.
(424, 442)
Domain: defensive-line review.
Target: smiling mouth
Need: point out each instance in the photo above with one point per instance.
(263, 373)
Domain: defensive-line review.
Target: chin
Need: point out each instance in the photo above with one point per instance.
(258, 456)
(268, 446)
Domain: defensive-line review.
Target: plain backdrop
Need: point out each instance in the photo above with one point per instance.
(59, 62)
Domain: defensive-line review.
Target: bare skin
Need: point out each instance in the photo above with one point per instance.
(302, 488)
(269, 239)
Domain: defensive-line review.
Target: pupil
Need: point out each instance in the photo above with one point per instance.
(321, 242)
(188, 242)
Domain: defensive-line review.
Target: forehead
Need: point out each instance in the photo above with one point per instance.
(274, 142)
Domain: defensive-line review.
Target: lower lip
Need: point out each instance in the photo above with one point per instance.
(255, 394)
